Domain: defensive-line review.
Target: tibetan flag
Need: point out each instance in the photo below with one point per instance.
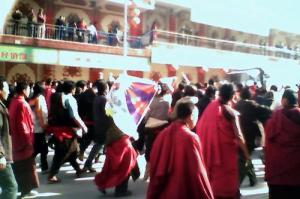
(128, 102)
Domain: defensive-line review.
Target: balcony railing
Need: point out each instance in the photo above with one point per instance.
(205, 42)
(65, 33)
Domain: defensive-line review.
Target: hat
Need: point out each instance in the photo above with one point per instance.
(155, 123)
(186, 99)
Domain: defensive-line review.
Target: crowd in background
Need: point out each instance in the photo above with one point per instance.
(202, 135)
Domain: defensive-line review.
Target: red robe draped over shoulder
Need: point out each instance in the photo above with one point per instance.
(120, 160)
(176, 166)
(220, 150)
(21, 128)
(282, 149)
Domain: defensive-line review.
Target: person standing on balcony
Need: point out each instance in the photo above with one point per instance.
(60, 28)
(81, 29)
(8, 182)
(41, 20)
(16, 16)
(21, 124)
(71, 30)
(31, 23)
(153, 33)
(92, 33)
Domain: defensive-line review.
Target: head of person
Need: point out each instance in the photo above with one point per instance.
(210, 92)
(4, 88)
(81, 85)
(245, 93)
(190, 90)
(187, 112)
(289, 98)
(48, 82)
(211, 82)
(38, 89)
(102, 87)
(239, 87)
(181, 86)
(69, 87)
(226, 93)
(23, 89)
(163, 89)
(274, 88)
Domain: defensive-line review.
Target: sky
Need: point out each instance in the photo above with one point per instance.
(253, 16)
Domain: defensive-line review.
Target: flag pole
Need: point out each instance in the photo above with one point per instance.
(125, 44)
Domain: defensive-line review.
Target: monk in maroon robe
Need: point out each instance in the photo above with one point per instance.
(120, 163)
(21, 128)
(282, 149)
(220, 136)
(176, 166)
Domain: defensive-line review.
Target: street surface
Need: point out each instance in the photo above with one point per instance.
(84, 188)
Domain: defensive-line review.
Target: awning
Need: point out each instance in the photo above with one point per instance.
(26, 54)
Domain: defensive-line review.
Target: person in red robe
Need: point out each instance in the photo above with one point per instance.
(120, 163)
(21, 128)
(176, 165)
(220, 136)
(282, 149)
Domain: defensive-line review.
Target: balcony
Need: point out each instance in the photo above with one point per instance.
(58, 45)
(166, 37)
(63, 37)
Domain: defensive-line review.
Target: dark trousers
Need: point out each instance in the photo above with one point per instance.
(41, 146)
(284, 191)
(64, 151)
(246, 169)
(151, 135)
(86, 139)
(30, 29)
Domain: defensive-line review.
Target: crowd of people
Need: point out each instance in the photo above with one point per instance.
(197, 139)
(71, 29)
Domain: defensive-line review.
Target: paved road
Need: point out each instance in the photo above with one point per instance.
(84, 188)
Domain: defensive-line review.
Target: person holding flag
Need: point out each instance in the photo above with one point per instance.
(125, 107)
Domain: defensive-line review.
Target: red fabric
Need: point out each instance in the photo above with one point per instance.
(282, 150)
(48, 93)
(120, 160)
(176, 166)
(61, 133)
(21, 128)
(299, 97)
(220, 150)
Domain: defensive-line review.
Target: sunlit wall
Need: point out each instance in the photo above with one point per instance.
(5, 8)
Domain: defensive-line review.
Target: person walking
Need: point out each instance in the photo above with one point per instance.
(221, 138)
(8, 182)
(21, 124)
(40, 112)
(282, 149)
